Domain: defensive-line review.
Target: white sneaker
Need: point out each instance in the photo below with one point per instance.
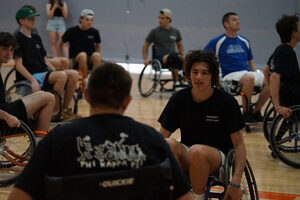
(177, 83)
(184, 83)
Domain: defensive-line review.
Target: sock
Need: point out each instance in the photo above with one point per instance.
(198, 196)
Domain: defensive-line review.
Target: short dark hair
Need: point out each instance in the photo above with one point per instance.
(109, 84)
(226, 17)
(285, 27)
(208, 57)
(6, 39)
(30, 7)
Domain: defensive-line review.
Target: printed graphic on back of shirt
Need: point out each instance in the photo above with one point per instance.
(110, 154)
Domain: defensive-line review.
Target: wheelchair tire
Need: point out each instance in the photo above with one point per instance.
(16, 147)
(8, 75)
(267, 122)
(17, 91)
(285, 138)
(149, 78)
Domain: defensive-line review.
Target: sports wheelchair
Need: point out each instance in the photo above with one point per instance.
(16, 147)
(248, 184)
(155, 74)
(234, 88)
(151, 182)
(284, 138)
(23, 88)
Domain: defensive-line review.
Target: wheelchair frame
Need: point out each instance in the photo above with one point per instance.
(248, 185)
(16, 147)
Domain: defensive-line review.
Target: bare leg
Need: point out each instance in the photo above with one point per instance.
(263, 97)
(65, 48)
(55, 62)
(204, 160)
(58, 79)
(247, 83)
(72, 76)
(52, 36)
(65, 63)
(43, 103)
(180, 153)
(81, 59)
(95, 59)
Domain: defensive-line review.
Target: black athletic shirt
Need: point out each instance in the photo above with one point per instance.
(81, 41)
(98, 143)
(284, 62)
(32, 52)
(210, 122)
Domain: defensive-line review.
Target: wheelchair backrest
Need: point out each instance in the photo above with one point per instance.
(150, 182)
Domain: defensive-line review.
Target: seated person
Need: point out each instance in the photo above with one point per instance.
(166, 38)
(108, 94)
(60, 63)
(31, 64)
(39, 103)
(210, 122)
(84, 42)
(285, 77)
(235, 57)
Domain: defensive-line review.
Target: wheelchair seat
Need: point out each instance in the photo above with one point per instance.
(150, 182)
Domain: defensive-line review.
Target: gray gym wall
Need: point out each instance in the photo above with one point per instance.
(124, 24)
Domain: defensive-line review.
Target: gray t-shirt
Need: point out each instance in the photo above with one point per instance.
(164, 40)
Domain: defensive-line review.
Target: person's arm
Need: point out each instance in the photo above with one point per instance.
(164, 132)
(18, 194)
(50, 11)
(239, 164)
(274, 90)
(251, 65)
(180, 48)
(145, 52)
(64, 10)
(23, 71)
(97, 47)
(10, 120)
(266, 72)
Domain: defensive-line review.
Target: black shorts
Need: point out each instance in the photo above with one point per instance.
(17, 109)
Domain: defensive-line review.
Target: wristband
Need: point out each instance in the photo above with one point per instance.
(234, 185)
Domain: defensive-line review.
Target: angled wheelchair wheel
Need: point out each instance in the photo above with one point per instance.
(285, 138)
(149, 78)
(17, 91)
(8, 78)
(267, 121)
(16, 148)
(248, 183)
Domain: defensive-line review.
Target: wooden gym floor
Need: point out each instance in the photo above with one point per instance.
(275, 180)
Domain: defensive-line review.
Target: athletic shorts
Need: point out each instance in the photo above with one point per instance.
(160, 58)
(258, 76)
(218, 175)
(17, 109)
(42, 79)
(56, 24)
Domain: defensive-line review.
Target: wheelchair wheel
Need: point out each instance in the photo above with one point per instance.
(16, 148)
(8, 76)
(149, 78)
(285, 138)
(17, 91)
(267, 121)
(248, 183)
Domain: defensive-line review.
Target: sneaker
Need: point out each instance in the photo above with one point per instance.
(184, 83)
(257, 116)
(249, 118)
(69, 115)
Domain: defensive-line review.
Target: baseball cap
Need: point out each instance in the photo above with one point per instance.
(166, 12)
(25, 12)
(87, 13)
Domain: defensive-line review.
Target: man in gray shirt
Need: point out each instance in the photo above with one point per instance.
(169, 49)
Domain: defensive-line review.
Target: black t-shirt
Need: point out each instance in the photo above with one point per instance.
(32, 52)
(98, 143)
(284, 62)
(210, 122)
(81, 41)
